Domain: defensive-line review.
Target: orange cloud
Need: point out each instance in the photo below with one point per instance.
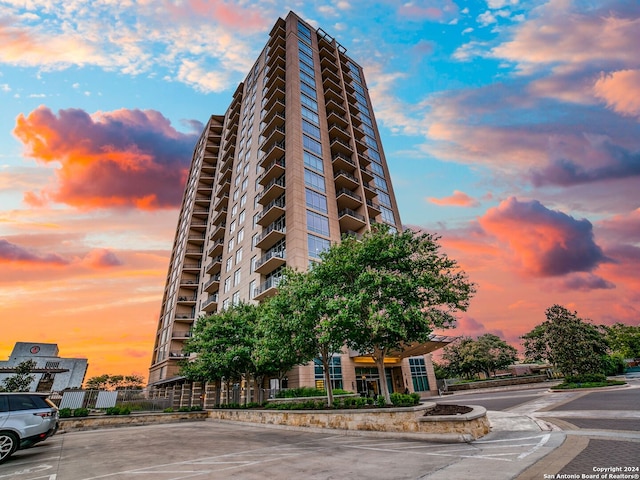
(620, 91)
(124, 158)
(458, 199)
(13, 253)
(546, 242)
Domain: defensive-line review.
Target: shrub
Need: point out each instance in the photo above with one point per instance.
(380, 401)
(118, 410)
(585, 378)
(196, 408)
(404, 400)
(81, 412)
(65, 412)
(184, 409)
(168, 410)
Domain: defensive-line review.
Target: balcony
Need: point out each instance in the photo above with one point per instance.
(366, 174)
(216, 248)
(203, 200)
(200, 213)
(222, 202)
(219, 216)
(271, 211)
(334, 117)
(331, 80)
(274, 170)
(266, 289)
(373, 208)
(196, 237)
(332, 94)
(270, 261)
(328, 63)
(369, 190)
(272, 151)
(193, 252)
(337, 107)
(210, 305)
(345, 180)
(184, 317)
(275, 134)
(272, 190)
(339, 145)
(219, 231)
(364, 159)
(343, 162)
(269, 236)
(191, 266)
(178, 354)
(347, 199)
(197, 225)
(190, 283)
(336, 131)
(214, 266)
(277, 34)
(212, 284)
(350, 220)
(276, 106)
(186, 299)
(182, 335)
(278, 96)
(277, 120)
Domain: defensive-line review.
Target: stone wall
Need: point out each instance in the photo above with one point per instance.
(390, 420)
(109, 421)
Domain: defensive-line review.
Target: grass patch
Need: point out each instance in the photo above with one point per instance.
(573, 385)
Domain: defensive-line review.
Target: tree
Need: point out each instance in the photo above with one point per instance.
(21, 381)
(389, 290)
(573, 345)
(116, 382)
(624, 340)
(226, 345)
(307, 321)
(467, 357)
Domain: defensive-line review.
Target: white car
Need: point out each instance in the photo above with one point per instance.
(25, 419)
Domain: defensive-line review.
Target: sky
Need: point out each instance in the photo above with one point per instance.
(511, 129)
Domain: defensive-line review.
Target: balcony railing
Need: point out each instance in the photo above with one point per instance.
(269, 255)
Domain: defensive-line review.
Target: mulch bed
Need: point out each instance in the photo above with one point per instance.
(448, 410)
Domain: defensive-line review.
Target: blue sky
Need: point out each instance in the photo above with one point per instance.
(510, 128)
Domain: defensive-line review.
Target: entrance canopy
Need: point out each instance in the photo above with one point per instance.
(434, 343)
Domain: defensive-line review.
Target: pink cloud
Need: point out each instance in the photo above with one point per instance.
(545, 242)
(458, 199)
(230, 15)
(124, 158)
(620, 91)
(10, 252)
(429, 10)
(101, 258)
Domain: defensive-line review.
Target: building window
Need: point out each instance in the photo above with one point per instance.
(236, 277)
(242, 217)
(230, 245)
(311, 129)
(313, 162)
(240, 235)
(335, 372)
(313, 180)
(252, 268)
(387, 215)
(419, 374)
(243, 200)
(316, 200)
(227, 285)
(228, 265)
(225, 304)
(317, 223)
(316, 245)
(234, 210)
(232, 227)
(245, 183)
(238, 256)
(252, 288)
(235, 300)
(312, 145)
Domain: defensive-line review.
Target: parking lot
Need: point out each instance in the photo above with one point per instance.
(214, 450)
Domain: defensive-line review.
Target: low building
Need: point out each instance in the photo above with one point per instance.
(52, 373)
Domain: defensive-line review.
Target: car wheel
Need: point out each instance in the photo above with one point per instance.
(8, 445)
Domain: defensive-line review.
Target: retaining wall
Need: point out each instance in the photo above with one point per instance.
(108, 421)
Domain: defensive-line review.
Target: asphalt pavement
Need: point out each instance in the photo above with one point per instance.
(536, 434)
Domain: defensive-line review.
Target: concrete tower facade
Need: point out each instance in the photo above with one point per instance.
(295, 162)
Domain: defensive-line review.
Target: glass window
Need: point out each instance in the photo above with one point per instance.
(418, 374)
(387, 215)
(316, 200)
(380, 183)
(316, 245)
(228, 265)
(308, 90)
(307, 69)
(232, 227)
(234, 210)
(313, 180)
(238, 256)
(384, 198)
(305, 77)
(230, 245)
(304, 30)
(310, 129)
(308, 59)
(243, 200)
(314, 162)
(317, 223)
(312, 145)
(309, 102)
(242, 216)
(235, 300)
(252, 288)
(227, 284)
(240, 235)
(245, 183)
(377, 168)
(310, 115)
(225, 304)
(305, 48)
(335, 372)
(236, 277)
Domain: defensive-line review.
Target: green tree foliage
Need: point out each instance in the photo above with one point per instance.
(21, 381)
(573, 345)
(388, 290)
(306, 321)
(624, 340)
(467, 357)
(115, 382)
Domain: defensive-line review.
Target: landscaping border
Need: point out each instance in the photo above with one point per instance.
(94, 422)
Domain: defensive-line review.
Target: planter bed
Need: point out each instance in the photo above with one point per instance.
(93, 422)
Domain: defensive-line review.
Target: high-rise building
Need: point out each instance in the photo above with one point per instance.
(295, 163)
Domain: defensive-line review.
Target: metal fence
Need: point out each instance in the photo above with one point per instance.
(136, 400)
